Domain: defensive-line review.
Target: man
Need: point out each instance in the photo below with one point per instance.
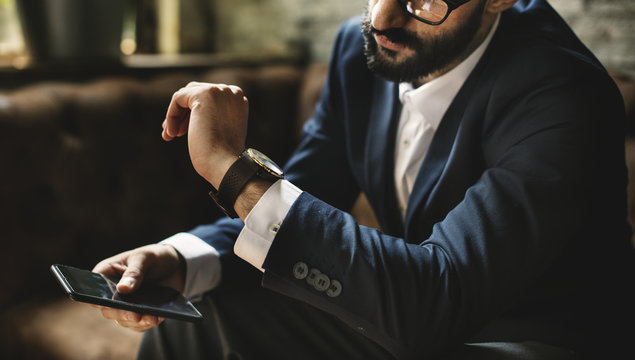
(489, 142)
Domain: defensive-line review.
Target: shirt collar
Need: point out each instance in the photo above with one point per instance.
(433, 98)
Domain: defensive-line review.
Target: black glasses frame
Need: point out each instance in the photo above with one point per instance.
(452, 5)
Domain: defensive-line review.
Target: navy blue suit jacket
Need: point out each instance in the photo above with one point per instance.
(516, 227)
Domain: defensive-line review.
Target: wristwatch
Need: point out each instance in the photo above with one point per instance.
(249, 164)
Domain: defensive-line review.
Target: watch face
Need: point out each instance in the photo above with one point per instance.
(266, 163)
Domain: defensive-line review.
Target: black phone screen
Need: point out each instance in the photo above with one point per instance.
(86, 286)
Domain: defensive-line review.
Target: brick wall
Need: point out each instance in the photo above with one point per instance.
(606, 26)
(245, 26)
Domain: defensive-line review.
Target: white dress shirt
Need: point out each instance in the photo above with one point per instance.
(423, 109)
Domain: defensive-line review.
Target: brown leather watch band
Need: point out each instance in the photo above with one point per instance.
(237, 176)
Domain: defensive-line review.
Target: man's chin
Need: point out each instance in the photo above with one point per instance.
(394, 56)
(386, 71)
(397, 66)
(391, 66)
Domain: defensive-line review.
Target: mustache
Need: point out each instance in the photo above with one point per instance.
(396, 35)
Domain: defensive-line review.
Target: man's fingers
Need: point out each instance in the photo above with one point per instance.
(184, 100)
(237, 90)
(110, 267)
(175, 122)
(120, 315)
(131, 320)
(183, 128)
(164, 132)
(133, 275)
(104, 267)
(178, 113)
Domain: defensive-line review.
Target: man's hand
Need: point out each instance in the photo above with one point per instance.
(215, 118)
(157, 263)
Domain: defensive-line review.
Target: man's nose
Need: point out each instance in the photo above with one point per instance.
(386, 14)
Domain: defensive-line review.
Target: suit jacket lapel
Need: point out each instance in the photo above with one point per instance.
(434, 162)
(384, 118)
(437, 157)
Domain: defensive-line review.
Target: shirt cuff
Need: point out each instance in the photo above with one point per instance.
(203, 270)
(263, 222)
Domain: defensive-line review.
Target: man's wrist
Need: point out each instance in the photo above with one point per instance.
(248, 177)
(202, 263)
(250, 195)
(263, 222)
(218, 168)
(182, 264)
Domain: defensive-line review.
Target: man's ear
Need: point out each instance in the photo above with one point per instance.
(498, 6)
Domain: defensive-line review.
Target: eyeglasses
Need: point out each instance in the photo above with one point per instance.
(432, 12)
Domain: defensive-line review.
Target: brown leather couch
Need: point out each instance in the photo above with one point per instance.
(86, 175)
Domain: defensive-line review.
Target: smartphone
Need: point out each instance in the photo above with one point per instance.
(89, 287)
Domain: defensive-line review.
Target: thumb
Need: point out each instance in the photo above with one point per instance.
(133, 275)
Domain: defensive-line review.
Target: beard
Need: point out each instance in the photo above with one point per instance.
(430, 55)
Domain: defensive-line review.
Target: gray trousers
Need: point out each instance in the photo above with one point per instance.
(261, 324)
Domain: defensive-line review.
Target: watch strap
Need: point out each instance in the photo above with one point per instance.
(235, 179)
